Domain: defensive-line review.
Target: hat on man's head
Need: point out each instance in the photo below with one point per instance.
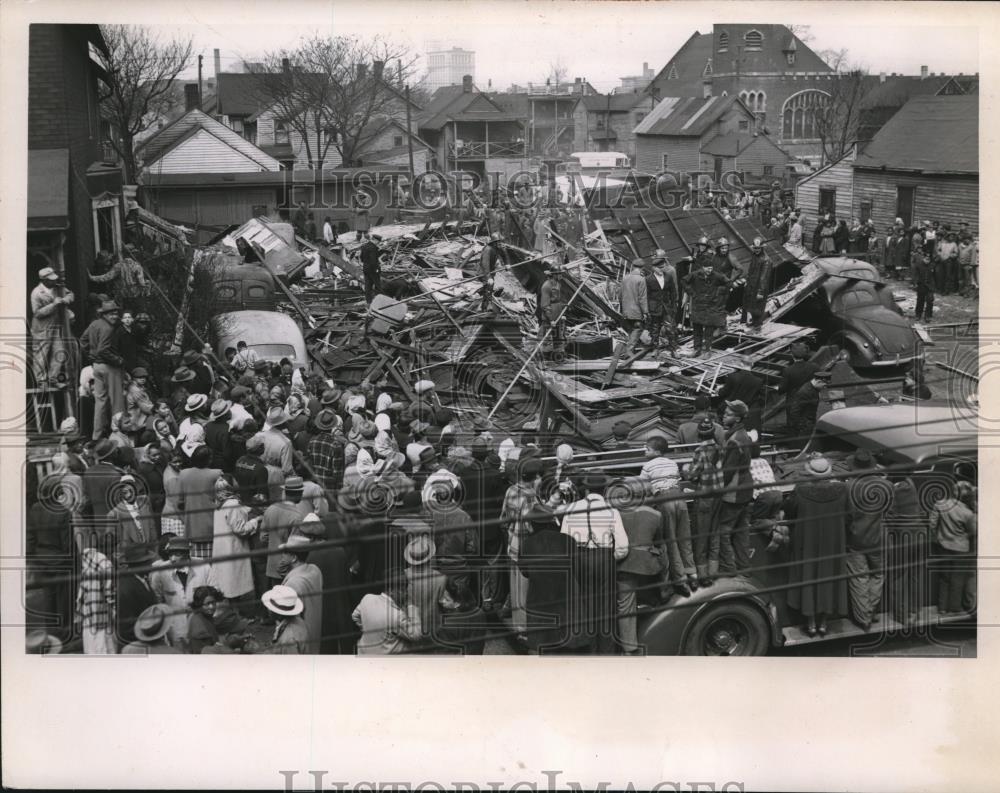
(276, 417)
(140, 371)
(479, 447)
(104, 448)
(239, 391)
(480, 422)
(423, 386)
(195, 402)
(190, 357)
(331, 396)
(825, 376)
(138, 555)
(182, 375)
(419, 550)
(220, 408)
(621, 429)
(367, 429)
(260, 365)
(48, 274)
(293, 484)
(181, 544)
(108, 306)
(297, 543)
(659, 255)
(326, 420)
(283, 601)
(738, 408)
(861, 460)
(817, 465)
(41, 642)
(152, 623)
(428, 455)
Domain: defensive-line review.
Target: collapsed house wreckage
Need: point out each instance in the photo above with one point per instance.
(490, 358)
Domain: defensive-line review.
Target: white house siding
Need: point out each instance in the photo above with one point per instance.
(205, 153)
(949, 199)
(839, 177)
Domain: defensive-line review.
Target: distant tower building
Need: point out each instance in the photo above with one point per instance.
(448, 67)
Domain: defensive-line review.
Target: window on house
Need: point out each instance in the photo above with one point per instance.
(639, 117)
(800, 111)
(744, 126)
(397, 141)
(723, 42)
(237, 125)
(280, 133)
(827, 201)
(790, 57)
(754, 40)
(663, 161)
(768, 170)
(866, 211)
(600, 122)
(672, 74)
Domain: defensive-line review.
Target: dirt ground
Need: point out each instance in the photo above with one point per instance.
(948, 309)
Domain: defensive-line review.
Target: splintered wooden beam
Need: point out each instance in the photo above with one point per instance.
(394, 373)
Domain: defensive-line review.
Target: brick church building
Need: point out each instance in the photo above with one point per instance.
(778, 77)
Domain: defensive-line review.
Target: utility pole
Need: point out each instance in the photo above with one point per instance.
(199, 83)
(409, 134)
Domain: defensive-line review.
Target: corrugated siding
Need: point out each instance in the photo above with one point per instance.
(840, 177)
(682, 153)
(204, 153)
(760, 153)
(949, 199)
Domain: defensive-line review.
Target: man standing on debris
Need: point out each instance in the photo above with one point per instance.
(634, 303)
(362, 220)
(721, 262)
(100, 345)
(803, 407)
(709, 290)
(551, 304)
(371, 265)
(733, 515)
(661, 291)
(492, 257)
(758, 285)
(923, 269)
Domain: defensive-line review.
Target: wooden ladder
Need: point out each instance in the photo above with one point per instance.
(42, 400)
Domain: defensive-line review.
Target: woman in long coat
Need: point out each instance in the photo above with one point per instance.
(232, 527)
(819, 511)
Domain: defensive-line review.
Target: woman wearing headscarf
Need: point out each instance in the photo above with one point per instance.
(232, 528)
(164, 438)
(827, 244)
(194, 440)
(385, 441)
(119, 437)
(361, 470)
(172, 516)
(819, 511)
(197, 486)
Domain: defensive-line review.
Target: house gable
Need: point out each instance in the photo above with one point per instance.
(203, 151)
(187, 125)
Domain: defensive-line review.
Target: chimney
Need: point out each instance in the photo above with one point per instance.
(191, 96)
(706, 89)
(377, 69)
(218, 64)
(467, 84)
(362, 70)
(923, 72)
(286, 66)
(881, 77)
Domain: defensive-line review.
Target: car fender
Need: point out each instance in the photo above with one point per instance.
(664, 631)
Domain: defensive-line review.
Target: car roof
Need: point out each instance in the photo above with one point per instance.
(914, 432)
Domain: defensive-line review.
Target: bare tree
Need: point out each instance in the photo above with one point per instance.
(836, 59)
(141, 73)
(335, 93)
(557, 73)
(802, 32)
(837, 123)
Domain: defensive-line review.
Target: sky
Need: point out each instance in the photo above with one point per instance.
(516, 41)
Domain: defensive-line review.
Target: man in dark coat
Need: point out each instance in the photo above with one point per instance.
(491, 258)
(371, 265)
(924, 280)
(708, 290)
(483, 485)
(744, 386)
(203, 375)
(100, 479)
(758, 284)
(337, 630)
(217, 437)
(150, 471)
(734, 504)
(803, 407)
(796, 375)
(661, 298)
(134, 594)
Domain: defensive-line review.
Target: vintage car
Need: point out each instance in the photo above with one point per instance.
(271, 334)
(853, 308)
(747, 615)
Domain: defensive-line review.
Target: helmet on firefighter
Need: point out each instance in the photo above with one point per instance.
(758, 243)
(703, 241)
(722, 243)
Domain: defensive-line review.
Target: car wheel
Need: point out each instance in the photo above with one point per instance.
(728, 629)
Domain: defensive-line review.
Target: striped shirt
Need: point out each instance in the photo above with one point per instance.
(95, 598)
(662, 472)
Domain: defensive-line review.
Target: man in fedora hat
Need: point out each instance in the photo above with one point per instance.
(204, 377)
(307, 582)
(217, 435)
(804, 406)
(634, 303)
(175, 586)
(734, 503)
(100, 479)
(325, 451)
(133, 593)
(47, 326)
(151, 628)
(278, 521)
(661, 290)
(291, 634)
(492, 257)
(196, 412)
(277, 445)
(426, 584)
(99, 343)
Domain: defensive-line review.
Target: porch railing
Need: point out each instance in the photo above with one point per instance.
(480, 149)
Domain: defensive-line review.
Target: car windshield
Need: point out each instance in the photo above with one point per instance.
(274, 350)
